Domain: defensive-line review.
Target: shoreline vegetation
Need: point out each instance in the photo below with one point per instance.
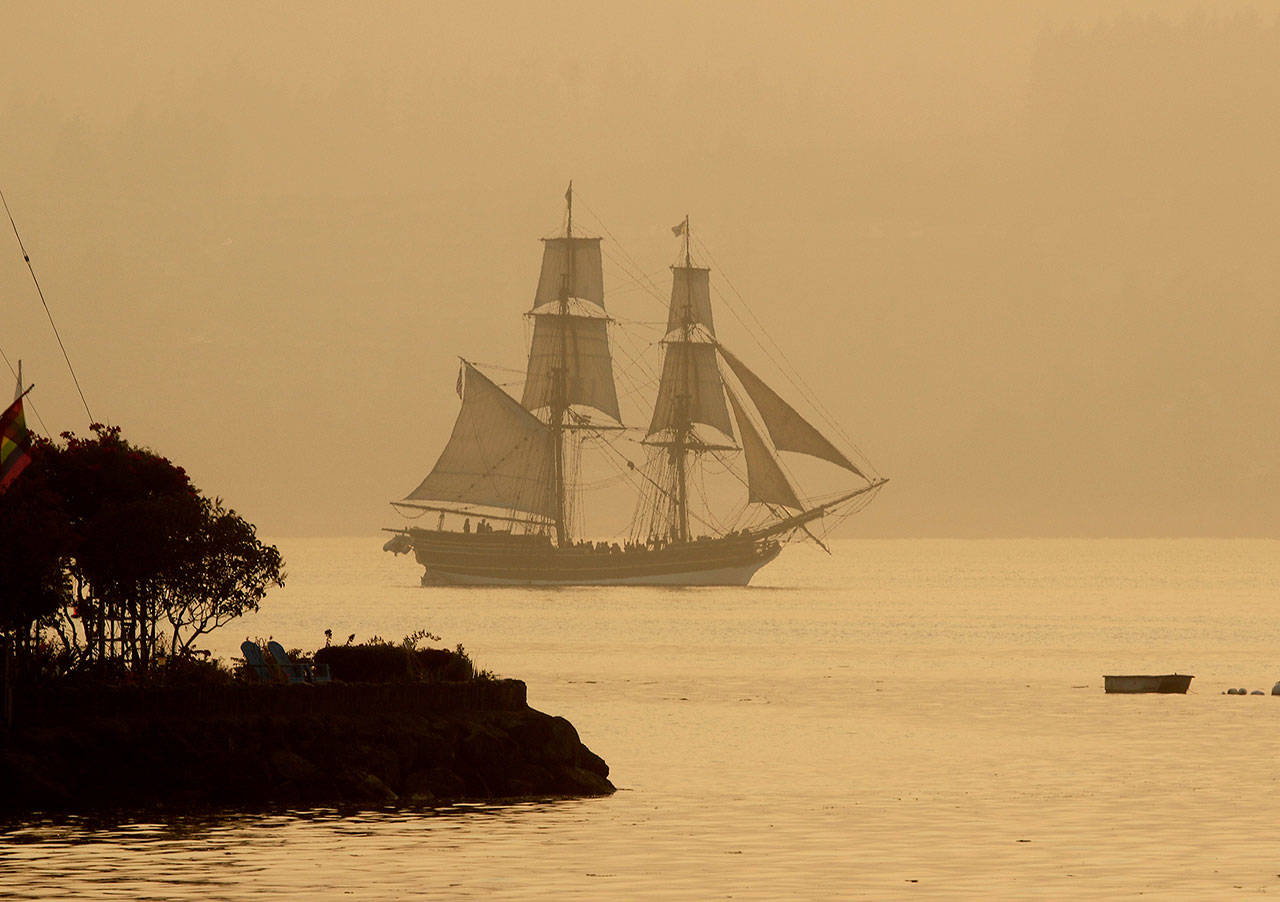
(392, 724)
(113, 566)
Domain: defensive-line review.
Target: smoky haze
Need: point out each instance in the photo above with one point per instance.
(1024, 253)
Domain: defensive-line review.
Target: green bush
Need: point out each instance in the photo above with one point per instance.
(378, 661)
(443, 664)
(367, 663)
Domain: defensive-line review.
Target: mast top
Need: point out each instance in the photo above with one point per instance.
(681, 230)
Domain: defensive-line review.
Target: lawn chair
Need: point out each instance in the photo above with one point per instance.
(256, 662)
(294, 672)
(297, 672)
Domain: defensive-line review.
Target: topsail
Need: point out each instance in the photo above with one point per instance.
(560, 258)
(691, 390)
(578, 345)
(690, 299)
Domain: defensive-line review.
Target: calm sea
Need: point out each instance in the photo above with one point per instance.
(903, 719)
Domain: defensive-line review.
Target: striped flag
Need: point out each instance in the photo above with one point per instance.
(15, 443)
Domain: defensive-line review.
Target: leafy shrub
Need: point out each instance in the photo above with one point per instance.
(379, 661)
(367, 663)
(191, 670)
(443, 664)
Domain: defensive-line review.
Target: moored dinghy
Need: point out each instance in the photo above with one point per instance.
(1167, 683)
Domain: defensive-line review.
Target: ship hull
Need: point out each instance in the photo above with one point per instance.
(498, 559)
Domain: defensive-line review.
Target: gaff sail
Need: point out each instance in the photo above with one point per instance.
(499, 454)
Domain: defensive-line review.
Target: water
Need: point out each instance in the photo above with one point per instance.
(921, 718)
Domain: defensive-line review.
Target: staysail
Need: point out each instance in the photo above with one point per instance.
(690, 384)
(499, 454)
(765, 480)
(789, 430)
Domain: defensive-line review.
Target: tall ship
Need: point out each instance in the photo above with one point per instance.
(506, 502)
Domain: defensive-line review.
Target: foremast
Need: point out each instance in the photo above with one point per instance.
(692, 392)
(689, 390)
(679, 446)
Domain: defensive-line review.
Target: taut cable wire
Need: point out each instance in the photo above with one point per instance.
(27, 259)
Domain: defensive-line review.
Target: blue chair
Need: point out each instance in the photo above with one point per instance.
(295, 672)
(256, 662)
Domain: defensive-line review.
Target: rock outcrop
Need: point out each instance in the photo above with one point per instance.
(291, 745)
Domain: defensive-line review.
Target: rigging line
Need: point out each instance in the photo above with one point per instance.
(634, 358)
(638, 282)
(27, 258)
(28, 403)
(781, 361)
(633, 468)
(616, 243)
(731, 470)
(648, 290)
(657, 292)
(651, 324)
(792, 375)
(494, 366)
(776, 355)
(637, 370)
(636, 361)
(784, 365)
(624, 260)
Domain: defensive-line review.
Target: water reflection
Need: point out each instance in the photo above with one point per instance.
(317, 852)
(931, 719)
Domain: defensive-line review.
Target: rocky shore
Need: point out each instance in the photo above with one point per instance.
(254, 747)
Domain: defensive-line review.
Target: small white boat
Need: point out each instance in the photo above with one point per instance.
(1170, 683)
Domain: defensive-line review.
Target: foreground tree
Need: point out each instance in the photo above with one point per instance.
(35, 543)
(140, 548)
(224, 574)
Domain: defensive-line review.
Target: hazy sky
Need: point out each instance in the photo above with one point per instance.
(1025, 253)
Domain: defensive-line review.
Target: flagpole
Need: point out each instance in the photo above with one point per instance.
(15, 452)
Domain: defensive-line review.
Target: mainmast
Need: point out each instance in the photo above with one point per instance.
(570, 365)
(684, 425)
(560, 384)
